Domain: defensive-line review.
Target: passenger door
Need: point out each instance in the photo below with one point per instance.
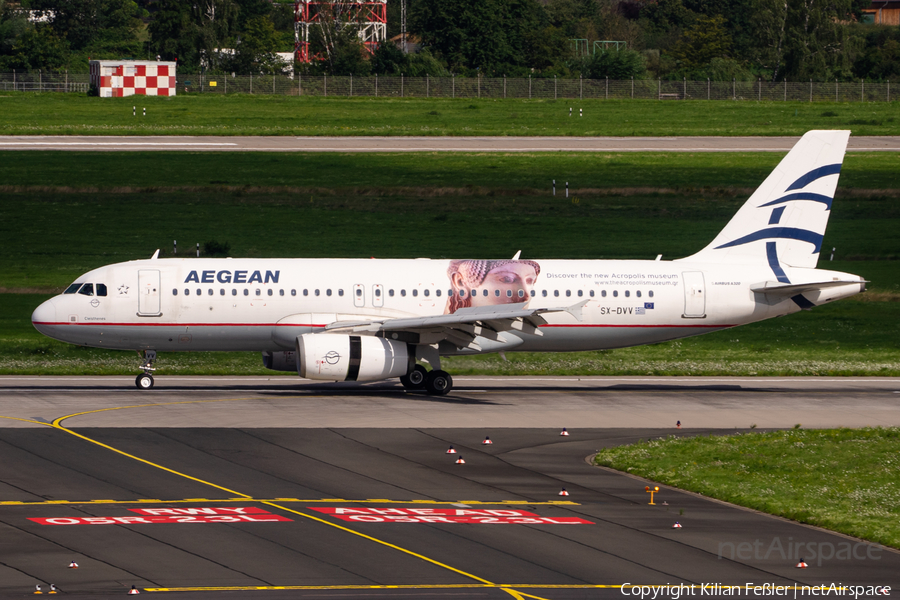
(694, 295)
(148, 293)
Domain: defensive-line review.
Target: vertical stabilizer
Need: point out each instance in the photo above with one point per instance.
(784, 221)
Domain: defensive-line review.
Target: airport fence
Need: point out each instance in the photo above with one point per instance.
(483, 87)
(45, 82)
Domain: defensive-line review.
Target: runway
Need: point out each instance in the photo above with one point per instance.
(429, 144)
(599, 402)
(278, 488)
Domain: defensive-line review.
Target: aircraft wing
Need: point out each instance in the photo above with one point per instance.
(463, 326)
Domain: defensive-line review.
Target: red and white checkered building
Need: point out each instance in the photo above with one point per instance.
(119, 78)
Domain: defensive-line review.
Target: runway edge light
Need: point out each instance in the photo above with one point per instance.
(487, 440)
(460, 461)
(563, 492)
(564, 432)
(677, 525)
(801, 564)
(73, 565)
(133, 591)
(451, 450)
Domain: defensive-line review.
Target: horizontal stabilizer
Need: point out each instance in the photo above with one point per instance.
(780, 289)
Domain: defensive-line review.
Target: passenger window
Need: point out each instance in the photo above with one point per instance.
(72, 288)
(306, 292)
(222, 292)
(496, 292)
(199, 292)
(269, 292)
(415, 293)
(615, 293)
(209, 292)
(580, 293)
(187, 292)
(603, 293)
(556, 293)
(377, 292)
(101, 289)
(638, 293)
(293, 292)
(650, 293)
(568, 293)
(328, 292)
(592, 293)
(233, 291)
(246, 292)
(521, 293)
(403, 293)
(281, 292)
(509, 293)
(484, 293)
(87, 289)
(317, 292)
(258, 292)
(426, 293)
(627, 293)
(175, 292)
(544, 293)
(437, 292)
(340, 292)
(391, 293)
(532, 293)
(462, 293)
(358, 293)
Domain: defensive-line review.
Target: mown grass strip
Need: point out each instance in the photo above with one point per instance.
(841, 479)
(76, 114)
(434, 174)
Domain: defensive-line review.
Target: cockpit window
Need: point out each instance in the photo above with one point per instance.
(101, 289)
(87, 289)
(72, 288)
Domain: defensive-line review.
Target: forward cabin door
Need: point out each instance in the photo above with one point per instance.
(694, 295)
(148, 293)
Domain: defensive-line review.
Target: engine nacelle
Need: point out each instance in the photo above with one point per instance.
(336, 357)
(280, 361)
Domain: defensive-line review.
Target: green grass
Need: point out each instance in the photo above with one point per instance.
(74, 114)
(841, 479)
(435, 173)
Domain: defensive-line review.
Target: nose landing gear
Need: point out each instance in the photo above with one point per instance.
(144, 381)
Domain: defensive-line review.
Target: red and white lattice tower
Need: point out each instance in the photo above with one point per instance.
(370, 16)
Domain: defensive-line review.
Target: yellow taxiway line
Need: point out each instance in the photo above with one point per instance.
(57, 424)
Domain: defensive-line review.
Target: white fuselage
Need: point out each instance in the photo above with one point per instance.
(264, 304)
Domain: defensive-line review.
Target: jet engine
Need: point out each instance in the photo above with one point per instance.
(336, 357)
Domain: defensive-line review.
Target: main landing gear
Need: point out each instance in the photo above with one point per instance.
(436, 382)
(144, 381)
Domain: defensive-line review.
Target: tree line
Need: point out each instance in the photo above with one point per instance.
(773, 40)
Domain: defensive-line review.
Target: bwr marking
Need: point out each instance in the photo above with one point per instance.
(445, 515)
(243, 514)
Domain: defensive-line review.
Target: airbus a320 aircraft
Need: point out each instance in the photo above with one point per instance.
(369, 320)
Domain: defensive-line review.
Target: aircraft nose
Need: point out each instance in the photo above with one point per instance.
(44, 316)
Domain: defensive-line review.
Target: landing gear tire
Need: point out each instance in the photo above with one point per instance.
(438, 383)
(144, 381)
(415, 379)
